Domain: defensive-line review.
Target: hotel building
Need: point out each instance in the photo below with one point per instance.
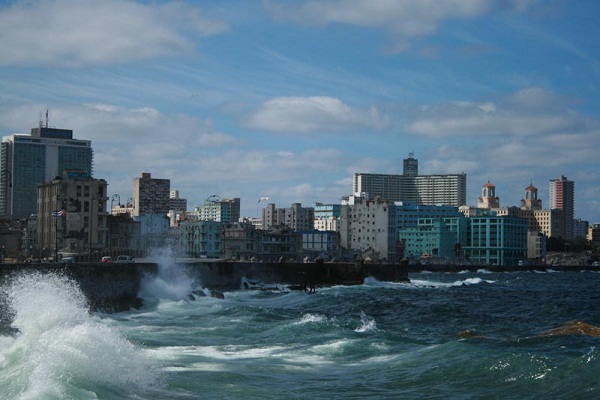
(410, 187)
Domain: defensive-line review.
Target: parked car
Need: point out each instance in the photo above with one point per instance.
(124, 259)
(106, 259)
(596, 264)
(67, 260)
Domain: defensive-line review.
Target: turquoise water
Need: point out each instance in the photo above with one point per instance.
(442, 336)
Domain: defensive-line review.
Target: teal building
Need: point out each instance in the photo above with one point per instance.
(496, 240)
(431, 238)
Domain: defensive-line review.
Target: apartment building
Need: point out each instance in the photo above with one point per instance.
(150, 195)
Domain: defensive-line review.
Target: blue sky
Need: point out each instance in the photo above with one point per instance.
(288, 99)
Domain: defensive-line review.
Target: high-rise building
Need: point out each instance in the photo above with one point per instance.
(220, 210)
(410, 166)
(562, 197)
(150, 195)
(27, 161)
(447, 189)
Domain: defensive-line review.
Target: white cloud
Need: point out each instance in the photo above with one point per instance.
(80, 33)
(403, 19)
(199, 160)
(531, 111)
(314, 114)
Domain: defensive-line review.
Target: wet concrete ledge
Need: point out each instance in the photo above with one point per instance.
(500, 268)
(115, 287)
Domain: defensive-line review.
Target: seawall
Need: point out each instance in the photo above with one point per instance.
(499, 268)
(115, 287)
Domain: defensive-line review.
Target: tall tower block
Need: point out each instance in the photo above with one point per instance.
(562, 197)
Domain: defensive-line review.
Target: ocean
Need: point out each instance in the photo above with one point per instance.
(483, 335)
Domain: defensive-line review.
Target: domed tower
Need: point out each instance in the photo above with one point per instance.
(488, 199)
(531, 201)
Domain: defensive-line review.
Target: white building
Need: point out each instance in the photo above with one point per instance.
(369, 227)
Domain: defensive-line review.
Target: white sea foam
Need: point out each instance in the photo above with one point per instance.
(60, 349)
(367, 324)
(419, 283)
(310, 318)
(471, 281)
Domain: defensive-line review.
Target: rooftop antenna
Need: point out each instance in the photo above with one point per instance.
(46, 118)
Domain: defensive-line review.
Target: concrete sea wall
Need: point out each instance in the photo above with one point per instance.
(115, 287)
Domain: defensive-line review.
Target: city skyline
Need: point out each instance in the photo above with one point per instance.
(288, 100)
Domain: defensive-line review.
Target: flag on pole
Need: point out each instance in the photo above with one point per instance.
(58, 213)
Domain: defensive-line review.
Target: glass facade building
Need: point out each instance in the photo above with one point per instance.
(27, 161)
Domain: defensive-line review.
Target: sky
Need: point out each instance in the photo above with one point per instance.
(288, 99)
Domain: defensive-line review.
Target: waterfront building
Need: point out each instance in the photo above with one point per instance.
(71, 215)
(536, 245)
(279, 244)
(368, 228)
(124, 236)
(562, 197)
(153, 230)
(449, 189)
(240, 240)
(296, 217)
(201, 239)
(27, 161)
(430, 238)
(496, 240)
(324, 244)
(408, 215)
(150, 195)
(219, 210)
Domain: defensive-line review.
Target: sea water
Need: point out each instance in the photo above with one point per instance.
(441, 336)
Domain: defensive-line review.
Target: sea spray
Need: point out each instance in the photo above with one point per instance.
(172, 281)
(59, 349)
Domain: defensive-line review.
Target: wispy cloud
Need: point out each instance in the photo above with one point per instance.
(403, 20)
(314, 114)
(80, 33)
